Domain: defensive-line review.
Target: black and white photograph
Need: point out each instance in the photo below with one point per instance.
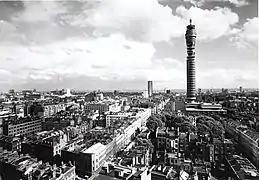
(129, 90)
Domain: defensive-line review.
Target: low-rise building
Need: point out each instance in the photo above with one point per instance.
(10, 143)
(114, 171)
(240, 168)
(167, 139)
(23, 167)
(46, 145)
(96, 156)
(53, 108)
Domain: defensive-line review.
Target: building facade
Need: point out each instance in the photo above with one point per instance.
(23, 127)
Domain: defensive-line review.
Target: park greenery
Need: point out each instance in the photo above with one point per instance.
(211, 125)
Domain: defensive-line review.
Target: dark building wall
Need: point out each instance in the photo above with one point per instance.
(40, 151)
(82, 161)
(5, 129)
(179, 105)
(10, 146)
(9, 172)
(36, 110)
(44, 153)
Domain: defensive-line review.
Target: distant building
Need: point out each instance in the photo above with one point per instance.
(145, 94)
(115, 92)
(150, 88)
(240, 89)
(11, 91)
(91, 97)
(199, 90)
(52, 108)
(102, 107)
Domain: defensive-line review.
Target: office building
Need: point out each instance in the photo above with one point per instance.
(22, 126)
(190, 37)
(150, 88)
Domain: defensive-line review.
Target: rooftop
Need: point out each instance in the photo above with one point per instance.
(94, 148)
(242, 167)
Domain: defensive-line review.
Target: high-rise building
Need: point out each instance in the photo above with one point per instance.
(190, 37)
(240, 89)
(150, 88)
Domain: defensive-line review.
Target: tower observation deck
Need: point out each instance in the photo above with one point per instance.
(190, 38)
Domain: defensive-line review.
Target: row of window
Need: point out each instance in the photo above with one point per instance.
(23, 127)
(23, 124)
(24, 130)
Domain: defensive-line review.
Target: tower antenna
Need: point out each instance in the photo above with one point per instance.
(190, 21)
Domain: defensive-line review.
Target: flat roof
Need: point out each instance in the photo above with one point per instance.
(105, 177)
(94, 148)
(205, 110)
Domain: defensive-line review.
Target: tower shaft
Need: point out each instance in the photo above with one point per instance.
(190, 38)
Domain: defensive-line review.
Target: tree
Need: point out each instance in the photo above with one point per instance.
(209, 125)
(203, 129)
(187, 127)
(152, 125)
(154, 122)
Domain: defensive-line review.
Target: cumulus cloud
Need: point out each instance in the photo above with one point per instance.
(238, 3)
(247, 35)
(8, 33)
(150, 21)
(145, 20)
(210, 24)
(35, 11)
(90, 57)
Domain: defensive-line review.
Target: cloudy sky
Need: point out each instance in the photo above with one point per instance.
(121, 44)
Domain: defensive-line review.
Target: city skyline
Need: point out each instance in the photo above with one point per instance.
(120, 45)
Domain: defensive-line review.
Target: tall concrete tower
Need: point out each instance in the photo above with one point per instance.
(190, 37)
(150, 88)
